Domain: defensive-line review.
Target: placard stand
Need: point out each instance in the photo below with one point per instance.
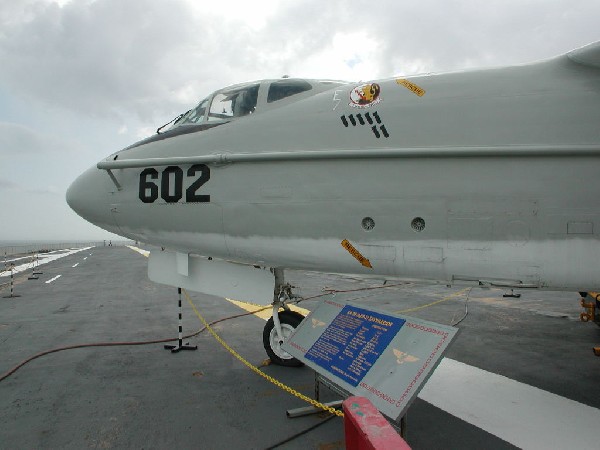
(359, 351)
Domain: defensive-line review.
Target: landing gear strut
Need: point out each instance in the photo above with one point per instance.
(281, 325)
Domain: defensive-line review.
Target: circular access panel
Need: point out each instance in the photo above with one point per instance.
(418, 224)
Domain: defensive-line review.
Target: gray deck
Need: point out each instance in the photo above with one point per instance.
(146, 397)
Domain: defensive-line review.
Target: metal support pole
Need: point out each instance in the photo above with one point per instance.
(12, 282)
(308, 410)
(37, 265)
(317, 387)
(180, 345)
(33, 274)
(403, 426)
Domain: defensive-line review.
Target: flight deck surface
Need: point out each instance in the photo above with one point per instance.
(517, 366)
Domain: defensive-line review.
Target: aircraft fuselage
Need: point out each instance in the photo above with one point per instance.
(487, 177)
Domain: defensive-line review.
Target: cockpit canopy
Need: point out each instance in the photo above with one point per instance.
(242, 100)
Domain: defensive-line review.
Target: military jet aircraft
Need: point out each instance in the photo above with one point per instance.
(483, 177)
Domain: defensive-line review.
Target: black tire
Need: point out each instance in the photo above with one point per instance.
(289, 321)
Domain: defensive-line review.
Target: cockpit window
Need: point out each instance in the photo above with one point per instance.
(193, 116)
(285, 88)
(234, 103)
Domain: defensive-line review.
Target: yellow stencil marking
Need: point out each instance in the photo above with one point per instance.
(357, 255)
(402, 357)
(317, 323)
(411, 87)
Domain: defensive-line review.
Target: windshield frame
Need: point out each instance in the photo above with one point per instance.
(260, 101)
(235, 102)
(191, 116)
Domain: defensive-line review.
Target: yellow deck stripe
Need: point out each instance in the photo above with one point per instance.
(145, 253)
(265, 314)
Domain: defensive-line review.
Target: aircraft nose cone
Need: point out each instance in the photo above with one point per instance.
(73, 196)
(88, 196)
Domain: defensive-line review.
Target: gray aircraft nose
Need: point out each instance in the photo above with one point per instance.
(89, 197)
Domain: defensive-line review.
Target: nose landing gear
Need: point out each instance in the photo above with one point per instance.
(281, 325)
(272, 341)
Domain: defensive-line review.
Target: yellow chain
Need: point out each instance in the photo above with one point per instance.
(257, 370)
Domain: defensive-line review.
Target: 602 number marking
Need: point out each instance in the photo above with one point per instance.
(149, 190)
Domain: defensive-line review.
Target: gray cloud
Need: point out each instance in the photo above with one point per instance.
(18, 140)
(150, 58)
(6, 185)
(457, 34)
(100, 58)
(443, 35)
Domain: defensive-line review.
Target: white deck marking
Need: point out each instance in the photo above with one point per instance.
(18, 259)
(85, 258)
(52, 279)
(44, 259)
(75, 265)
(523, 415)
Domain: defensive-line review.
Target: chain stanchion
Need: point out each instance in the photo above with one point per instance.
(37, 265)
(180, 345)
(12, 282)
(2, 271)
(33, 275)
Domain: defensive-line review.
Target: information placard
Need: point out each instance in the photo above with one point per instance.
(353, 341)
(379, 355)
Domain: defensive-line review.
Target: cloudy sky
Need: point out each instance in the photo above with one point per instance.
(80, 79)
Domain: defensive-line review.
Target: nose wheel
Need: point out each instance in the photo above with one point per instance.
(289, 320)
